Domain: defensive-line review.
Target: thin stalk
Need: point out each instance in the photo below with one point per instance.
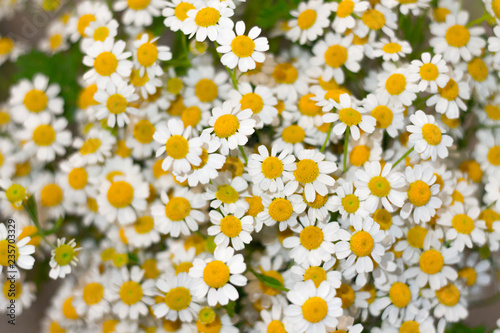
(327, 138)
(244, 155)
(404, 156)
(231, 74)
(346, 143)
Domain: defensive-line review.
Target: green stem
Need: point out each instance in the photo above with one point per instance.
(231, 74)
(34, 218)
(491, 204)
(346, 143)
(244, 155)
(403, 157)
(486, 16)
(327, 138)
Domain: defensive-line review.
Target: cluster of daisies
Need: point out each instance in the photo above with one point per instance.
(347, 181)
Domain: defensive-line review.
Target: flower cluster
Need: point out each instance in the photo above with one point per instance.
(340, 175)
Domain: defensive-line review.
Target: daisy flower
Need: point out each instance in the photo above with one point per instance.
(180, 300)
(415, 7)
(314, 244)
(45, 137)
(10, 49)
(454, 40)
(56, 39)
(450, 303)
(260, 100)
(78, 181)
(205, 86)
(141, 141)
(318, 210)
(231, 227)
(346, 202)
(290, 137)
(345, 11)
(22, 251)
(63, 257)
(395, 85)
(98, 31)
(139, 12)
(312, 309)
(309, 20)
(87, 12)
(388, 116)
(389, 49)
(34, 99)
(227, 192)
(427, 138)
(13, 192)
(91, 300)
(230, 126)
(24, 294)
(351, 116)
(147, 54)
(375, 184)
(114, 103)
(289, 76)
(242, 50)
(429, 72)
(179, 213)
(272, 320)
(131, 294)
(142, 233)
(208, 19)
(277, 209)
(377, 19)
(94, 147)
(109, 62)
(450, 99)
(175, 13)
(182, 152)
(218, 276)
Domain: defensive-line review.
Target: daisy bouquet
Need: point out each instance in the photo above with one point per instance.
(262, 166)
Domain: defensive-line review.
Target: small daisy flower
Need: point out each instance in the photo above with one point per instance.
(231, 227)
(94, 147)
(147, 54)
(429, 72)
(78, 181)
(309, 20)
(242, 50)
(345, 11)
(389, 49)
(114, 103)
(218, 276)
(312, 309)
(10, 49)
(205, 86)
(260, 100)
(24, 294)
(22, 251)
(377, 19)
(141, 141)
(139, 12)
(351, 116)
(395, 85)
(277, 209)
(227, 192)
(91, 301)
(451, 303)
(87, 12)
(427, 138)
(142, 233)
(63, 257)
(208, 19)
(346, 202)
(98, 31)
(415, 7)
(487, 151)
(56, 39)
(450, 99)
(272, 320)
(175, 13)
(13, 192)
(388, 116)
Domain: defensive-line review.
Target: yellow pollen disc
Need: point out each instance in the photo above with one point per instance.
(280, 209)
(183, 267)
(391, 48)
(6, 45)
(457, 35)
(144, 224)
(242, 46)
(373, 19)
(371, 289)
(311, 237)
(493, 111)
(130, 292)
(307, 19)
(120, 194)
(272, 167)
(137, 80)
(419, 193)
(431, 134)
(12, 292)
(477, 69)
(177, 147)
(473, 169)
(207, 17)
(6, 250)
(101, 33)
(93, 293)
(379, 186)
(395, 84)
(349, 116)
(150, 269)
(268, 290)
(230, 226)
(52, 195)
(451, 123)
(319, 201)
(345, 8)
(293, 134)
(226, 126)
(44, 135)
(4, 117)
(463, 224)
(64, 253)
(450, 91)
(90, 146)
(346, 294)
(469, 275)
(276, 326)
(448, 295)
(285, 73)
(143, 131)
(35, 100)
(92, 205)
(409, 326)
(336, 56)
(489, 216)
(181, 10)
(206, 90)
(55, 41)
(178, 299)
(307, 171)
(174, 85)
(15, 193)
(494, 155)
(359, 155)
(204, 159)
(253, 102)
(191, 116)
(495, 7)
(177, 209)
(234, 165)
(216, 274)
(400, 294)
(280, 107)
(350, 203)
(147, 54)
(362, 243)
(308, 107)
(227, 194)
(212, 327)
(77, 178)
(84, 22)
(316, 274)
(431, 262)
(429, 72)
(383, 218)
(86, 97)
(105, 64)
(314, 309)
(116, 104)
(335, 94)
(68, 309)
(255, 205)
(440, 14)
(383, 115)
(138, 4)
(22, 169)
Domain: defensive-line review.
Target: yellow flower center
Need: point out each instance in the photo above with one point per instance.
(268, 290)
(477, 69)
(230, 226)
(191, 116)
(207, 17)
(177, 209)
(147, 54)
(93, 293)
(143, 131)
(181, 10)
(431, 134)
(101, 33)
(469, 275)
(448, 295)
(431, 261)
(15, 193)
(272, 167)
(419, 193)
(90, 146)
(383, 115)
(379, 186)
(457, 35)
(429, 72)
(116, 104)
(178, 299)
(359, 155)
(373, 19)
(183, 267)
(489, 216)
(346, 294)
(391, 48)
(4, 118)
(144, 224)
(345, 8)
(362, 243)
(307, 19)
(314, 309)
(319, 201)
(450, 91)
(216, 274)
(52, 195)
(253, 102)
(400, 294)
(174, 85)
(493, 111)
(349, 116)
(285, 73)
(494, 155)
(12, 291)
(69, 310)
(307, 171)
(410, 326)
(451, 123)
(105, 64)
(35, 100)
(64, 253)
(212, 327)
(280, 209)
(336, 56)
(77, 178)
(242, 46)
(293, 134)
(138, 4)
(204, 159)
(440, 14)
(44, 135)
(137, 80)
(308, 107)
(177, 147)
(226, 126)
(350, 203)
(395, 84)
(276, 326)
(234, 165)
(84, 22)
(7, 249)
(311, 237)
(120, 194)
(227, 194)
(206, 90)
(315, 273)
(255, 205)
(463, 224)
(55, 41)
(130, 292)
(495, 7)
(6, 45)
(383, 218)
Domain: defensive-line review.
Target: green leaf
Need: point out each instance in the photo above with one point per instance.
(230, 307)
(272, 12)
(30, 207)
(271, 282)
(461, 328)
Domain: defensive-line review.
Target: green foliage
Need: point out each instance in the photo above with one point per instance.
(461, 328)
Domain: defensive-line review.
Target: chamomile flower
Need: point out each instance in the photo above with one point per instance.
(260, 100)
(139, 12)
(231, 227)
(415, 7)
(427, 138)
(395, 85)
(389, 116)
(142, 233)
(344, 11)
(308, 21)
(205, 86)
(218, 276)
(450, 99)
(208, 19)
(56, 39)
(346, 202)
(98, 31)
(429, 72)
(451, 303)
(22, 251)
(227, 192)
(91, 300)
(114, 103)
(23, 294)
(87, 12)
(272, 320)
(79, 181)
(147, 54)
(389, 49)
(63, 257)
(94, 147)
(175, 13)
(377, 19)
(13, 192)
